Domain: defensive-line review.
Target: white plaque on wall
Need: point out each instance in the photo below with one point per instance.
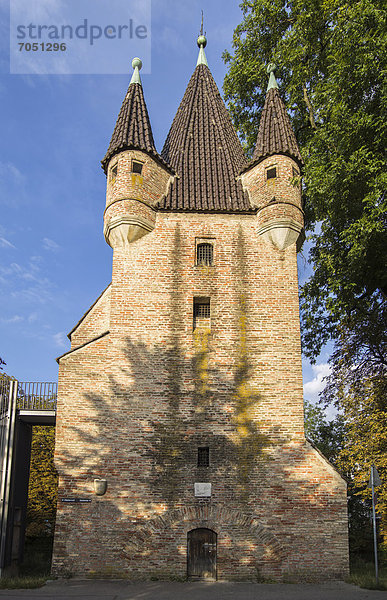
(203, 490)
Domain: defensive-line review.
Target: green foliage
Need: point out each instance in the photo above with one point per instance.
(332, 59)
(327, 435)
(358, 385)
(363, 575)
(43, 486)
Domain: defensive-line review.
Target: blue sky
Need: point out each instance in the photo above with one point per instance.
(55, 129)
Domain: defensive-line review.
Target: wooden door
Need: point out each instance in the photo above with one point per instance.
(201, 547)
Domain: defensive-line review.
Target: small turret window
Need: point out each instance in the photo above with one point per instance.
(137, 167)
(271, 173)
(113, 173)
(205, 254)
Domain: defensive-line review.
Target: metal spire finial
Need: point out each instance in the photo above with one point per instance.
(136, 64)
(202, 43)
(271, 67)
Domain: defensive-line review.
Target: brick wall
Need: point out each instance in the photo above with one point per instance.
(135, 404)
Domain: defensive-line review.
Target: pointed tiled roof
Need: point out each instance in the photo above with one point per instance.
(133, 129)
(275, 133)
(203, 148)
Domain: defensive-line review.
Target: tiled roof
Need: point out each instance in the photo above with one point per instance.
(203, 148)
(275, 134)
(133, 129)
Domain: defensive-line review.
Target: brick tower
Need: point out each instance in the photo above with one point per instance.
(180, 440)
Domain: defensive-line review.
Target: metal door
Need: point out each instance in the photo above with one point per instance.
(201, 547)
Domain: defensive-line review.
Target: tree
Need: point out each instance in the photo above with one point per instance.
(331, 438)
(327, 435)
(332, 58)
(43, 485)
(358, 386)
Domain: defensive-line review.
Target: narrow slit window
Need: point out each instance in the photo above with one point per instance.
(203, 456)
(271, 173)
(137, 167)
(113, 173)
(205, 254)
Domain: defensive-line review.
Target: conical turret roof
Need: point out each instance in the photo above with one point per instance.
(275, 133)
(132, 129)
(203, 148)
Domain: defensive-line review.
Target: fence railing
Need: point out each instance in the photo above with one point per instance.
(31, 395)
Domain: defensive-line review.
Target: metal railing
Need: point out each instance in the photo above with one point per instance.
(31, 395)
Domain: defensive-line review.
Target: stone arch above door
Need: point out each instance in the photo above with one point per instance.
(269, 560)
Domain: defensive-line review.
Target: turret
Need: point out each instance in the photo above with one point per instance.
(137, 176)
(273, 178)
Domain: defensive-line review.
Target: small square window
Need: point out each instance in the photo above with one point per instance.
(137, 167)
(113, 173)
(203, 456)
(271, 173)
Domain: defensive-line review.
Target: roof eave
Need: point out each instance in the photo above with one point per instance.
(256, 161)
(154, 155)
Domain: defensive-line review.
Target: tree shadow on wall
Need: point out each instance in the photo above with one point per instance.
(158, 405)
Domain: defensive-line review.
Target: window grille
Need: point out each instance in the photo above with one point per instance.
(203, 457)
(205, 254)
(271, 173)
(202, 309)
(137, 167)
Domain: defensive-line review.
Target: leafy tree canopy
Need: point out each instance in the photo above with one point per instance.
(332, 69)
(358, 387)
(43, 485)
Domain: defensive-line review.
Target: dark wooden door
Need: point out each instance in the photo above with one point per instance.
(201, 545)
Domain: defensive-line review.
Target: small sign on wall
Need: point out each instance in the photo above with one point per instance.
(202, 490)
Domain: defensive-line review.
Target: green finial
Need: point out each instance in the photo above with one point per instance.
(272, 80)
(136, 64)
(202, 43)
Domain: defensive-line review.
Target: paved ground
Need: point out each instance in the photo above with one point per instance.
(122, 590)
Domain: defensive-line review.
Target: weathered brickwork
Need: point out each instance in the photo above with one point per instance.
(137, 403)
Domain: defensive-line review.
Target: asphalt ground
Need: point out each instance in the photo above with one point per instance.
(77, 589)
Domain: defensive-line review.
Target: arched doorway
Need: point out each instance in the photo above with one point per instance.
(201, 553)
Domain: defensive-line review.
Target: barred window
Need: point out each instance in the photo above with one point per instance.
(271, 173)
(202, 308)
(203, 456)
(201, 313)
(113, 173)
(205, 254)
